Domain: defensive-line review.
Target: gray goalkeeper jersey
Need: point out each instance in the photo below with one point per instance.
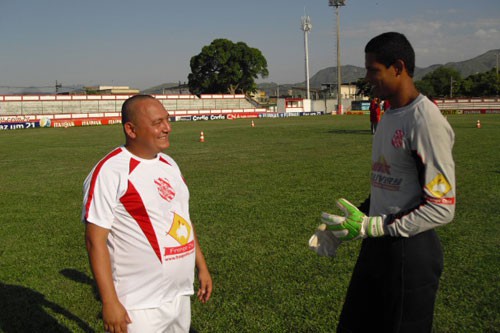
(413, 173)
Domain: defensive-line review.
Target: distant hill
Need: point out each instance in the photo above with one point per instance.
(479, 64)
(41, 90)
(329, 75)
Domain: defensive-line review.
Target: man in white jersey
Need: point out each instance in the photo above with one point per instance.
(395, 280)
(142, 246)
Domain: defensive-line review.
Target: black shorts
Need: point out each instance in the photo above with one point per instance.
(394, 284)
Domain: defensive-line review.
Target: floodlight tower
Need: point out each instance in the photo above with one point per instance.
(306, 27)
(337, 4)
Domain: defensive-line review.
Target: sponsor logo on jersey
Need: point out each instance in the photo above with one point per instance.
(178, 252)
(380, 171)
(439, 187)
(386, 183)
(180, 230)
(165, 189)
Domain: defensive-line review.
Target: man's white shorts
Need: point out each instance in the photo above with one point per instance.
(171, 317)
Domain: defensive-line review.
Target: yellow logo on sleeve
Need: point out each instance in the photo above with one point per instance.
(439, 186)
(180, 230)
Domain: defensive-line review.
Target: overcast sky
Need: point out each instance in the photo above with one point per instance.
(145, 43)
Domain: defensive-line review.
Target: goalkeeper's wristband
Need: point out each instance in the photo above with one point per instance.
(375, 226)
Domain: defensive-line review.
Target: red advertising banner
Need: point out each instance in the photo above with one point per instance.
(232, 116)
(85, 122)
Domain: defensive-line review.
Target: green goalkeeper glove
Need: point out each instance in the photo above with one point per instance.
(354, 225)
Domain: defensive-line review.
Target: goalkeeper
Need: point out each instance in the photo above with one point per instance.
(394, 283)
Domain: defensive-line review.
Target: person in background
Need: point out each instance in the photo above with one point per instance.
(386, 105)
(374, 113)
(141, 243)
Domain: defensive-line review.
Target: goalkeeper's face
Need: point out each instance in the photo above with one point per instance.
(384, 80)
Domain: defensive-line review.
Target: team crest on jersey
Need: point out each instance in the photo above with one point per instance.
(439, 186)
(180, 230)
(397, 139)
(165, 190)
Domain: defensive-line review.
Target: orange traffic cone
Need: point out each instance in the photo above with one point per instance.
(202, 137)
(478, 124)
(253, 124)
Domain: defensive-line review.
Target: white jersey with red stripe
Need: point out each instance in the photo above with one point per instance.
(145, 205)
(413, 172)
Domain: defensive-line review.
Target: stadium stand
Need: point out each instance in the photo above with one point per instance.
(177, 105)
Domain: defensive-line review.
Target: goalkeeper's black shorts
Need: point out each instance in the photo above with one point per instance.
(394, 284)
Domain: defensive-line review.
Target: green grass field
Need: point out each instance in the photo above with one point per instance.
(256, 197)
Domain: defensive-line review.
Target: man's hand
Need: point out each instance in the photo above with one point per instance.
(205, 290)
(115, 317)
(354, 225)
(204, 278)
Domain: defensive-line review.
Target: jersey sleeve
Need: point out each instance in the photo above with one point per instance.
(431, 141)
(100, 190)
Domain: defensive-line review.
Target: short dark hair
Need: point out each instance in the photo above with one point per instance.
(391, 46)
(127, 106)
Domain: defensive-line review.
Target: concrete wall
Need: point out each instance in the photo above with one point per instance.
(330, 105)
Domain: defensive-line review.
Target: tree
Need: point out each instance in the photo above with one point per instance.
(440, 80)
(425, 87)
(363, 87)
(437, 83)
(481, 84)
(226, 67)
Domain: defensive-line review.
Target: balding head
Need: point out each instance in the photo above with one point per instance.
(129, 107)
